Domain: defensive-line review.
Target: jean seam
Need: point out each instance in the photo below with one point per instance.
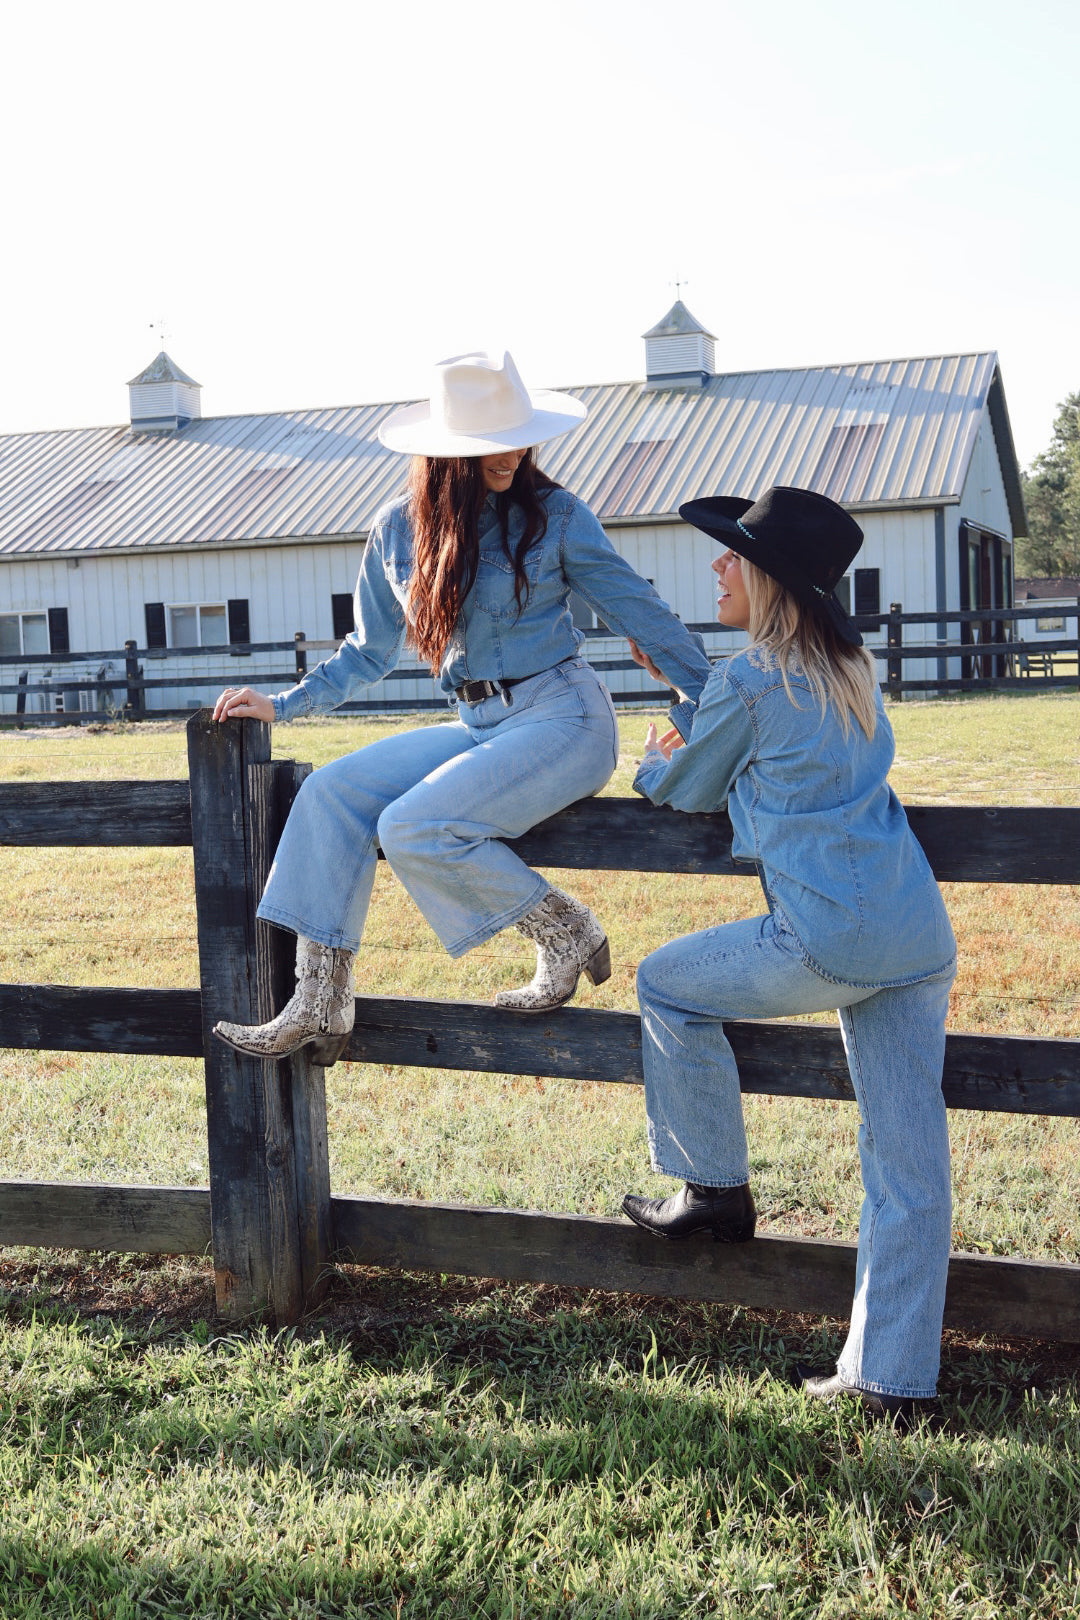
(280, 918)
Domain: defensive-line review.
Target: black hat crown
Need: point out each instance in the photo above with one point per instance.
(802, 539)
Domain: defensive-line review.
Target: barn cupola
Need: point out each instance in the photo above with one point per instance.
(679, 351)
(163, 398)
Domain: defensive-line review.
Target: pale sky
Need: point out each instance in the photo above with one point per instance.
(322, 200)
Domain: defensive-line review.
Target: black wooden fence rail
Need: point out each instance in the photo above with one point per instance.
(269, 1216)
(990, 644)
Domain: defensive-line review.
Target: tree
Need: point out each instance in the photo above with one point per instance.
(1052, 498)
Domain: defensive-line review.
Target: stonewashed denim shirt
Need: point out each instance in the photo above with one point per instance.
(492, 640)
(812, 809)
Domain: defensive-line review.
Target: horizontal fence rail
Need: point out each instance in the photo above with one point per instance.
(992, 844)
(269, 1213)
(985, 1293)
(1003, 1073)
(990, 644)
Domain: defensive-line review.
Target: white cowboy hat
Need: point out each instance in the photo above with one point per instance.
(479, 406)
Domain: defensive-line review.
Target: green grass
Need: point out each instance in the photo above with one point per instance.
(466, 1452)
(431, 1447)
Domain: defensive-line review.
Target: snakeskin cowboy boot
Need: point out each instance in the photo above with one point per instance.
(569, 941)
(320, 1014)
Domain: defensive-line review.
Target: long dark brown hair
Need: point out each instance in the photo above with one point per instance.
(446, 495)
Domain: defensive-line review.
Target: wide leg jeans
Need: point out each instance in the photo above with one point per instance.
(894, 1040)
(437, 801)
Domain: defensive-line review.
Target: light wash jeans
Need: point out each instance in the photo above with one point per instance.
(894, 1039)
(437, 801)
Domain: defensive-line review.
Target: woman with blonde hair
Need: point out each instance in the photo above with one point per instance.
(472, 569)
(790, 733)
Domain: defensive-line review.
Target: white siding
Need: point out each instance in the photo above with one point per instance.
(983, 500)
(677, 559)
(287, 588)
(901, 545)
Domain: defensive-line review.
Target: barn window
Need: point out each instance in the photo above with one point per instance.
(197, 624)
(23, 633)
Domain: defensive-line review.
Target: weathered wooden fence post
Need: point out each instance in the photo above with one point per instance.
(299, 1082)
(266, 1122)
(299, 643)
(895, 662)
(136, 696)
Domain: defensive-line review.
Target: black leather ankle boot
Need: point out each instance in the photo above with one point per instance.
(727, 1212)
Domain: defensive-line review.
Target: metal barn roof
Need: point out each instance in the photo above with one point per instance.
(881, 434)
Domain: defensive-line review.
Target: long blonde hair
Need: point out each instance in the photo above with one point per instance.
(836, 672)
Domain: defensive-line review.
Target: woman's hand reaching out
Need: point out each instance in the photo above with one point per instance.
(241, 703)
(665, 746)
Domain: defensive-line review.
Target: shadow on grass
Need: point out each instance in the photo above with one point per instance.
(435, 1447)
(389, 1319)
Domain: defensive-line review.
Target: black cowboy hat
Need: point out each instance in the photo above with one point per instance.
(803, 540)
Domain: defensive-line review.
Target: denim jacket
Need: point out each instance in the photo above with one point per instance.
(840, 867)
(492, 639)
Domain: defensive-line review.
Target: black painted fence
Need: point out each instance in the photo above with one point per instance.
(991, 647)
(269, 1216)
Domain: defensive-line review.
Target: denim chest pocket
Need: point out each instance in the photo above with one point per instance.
(494, 589)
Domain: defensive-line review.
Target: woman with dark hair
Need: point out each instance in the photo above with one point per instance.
(472, 570)
(791, 735)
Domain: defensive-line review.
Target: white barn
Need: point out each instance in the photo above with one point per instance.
(200, 538)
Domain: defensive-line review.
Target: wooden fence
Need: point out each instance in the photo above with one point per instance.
(989, 649)
(269, 1216)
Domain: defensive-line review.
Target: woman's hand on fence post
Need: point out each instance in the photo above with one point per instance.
(241, 703)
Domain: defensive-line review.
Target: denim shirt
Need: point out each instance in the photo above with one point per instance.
(493, 640)
(840, 866)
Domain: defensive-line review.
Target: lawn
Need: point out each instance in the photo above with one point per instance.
(430, 1447)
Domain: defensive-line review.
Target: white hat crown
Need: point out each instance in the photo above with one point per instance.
(475, 394)
(479, 406)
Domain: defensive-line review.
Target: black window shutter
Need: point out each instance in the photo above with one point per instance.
(344, 623)
(867, 590)
(155, 625)
(58, 630)
(239, 619)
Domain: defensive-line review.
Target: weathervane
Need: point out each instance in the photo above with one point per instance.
(678, 286)
(159, 328)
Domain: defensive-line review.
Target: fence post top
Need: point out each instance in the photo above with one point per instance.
(247, 741)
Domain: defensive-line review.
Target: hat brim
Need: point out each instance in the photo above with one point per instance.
(718, 515)
(412, 431)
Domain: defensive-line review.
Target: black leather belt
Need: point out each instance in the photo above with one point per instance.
(477, 691)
